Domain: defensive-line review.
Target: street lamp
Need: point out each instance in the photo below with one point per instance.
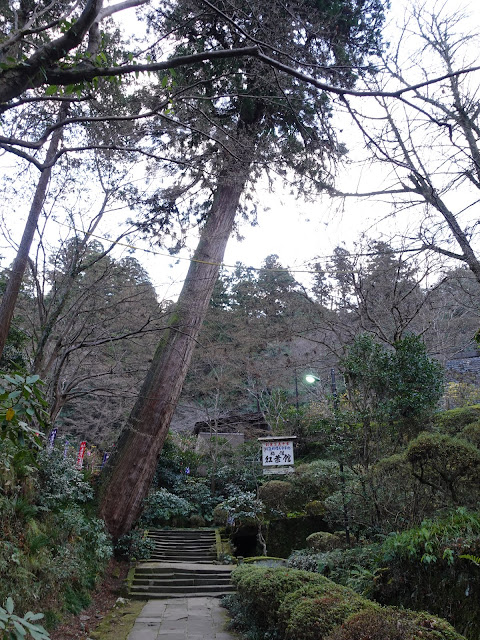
(310, 378)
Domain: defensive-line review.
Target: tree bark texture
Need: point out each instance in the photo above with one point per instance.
(9, 299)
(132, 467)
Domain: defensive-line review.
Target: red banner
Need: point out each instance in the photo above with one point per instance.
(81, 453)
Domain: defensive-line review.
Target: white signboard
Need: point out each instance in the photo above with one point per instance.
(277, 453)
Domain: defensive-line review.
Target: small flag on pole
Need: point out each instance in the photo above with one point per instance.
(81, 453)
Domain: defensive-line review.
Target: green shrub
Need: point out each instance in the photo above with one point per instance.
(324, 541)
(161, 507)
(428, 542)
(315, 508)
(396, 499)
(394, 624)
(288, 604)
(423, 569)
(453, 421)
(52, 550)
(275, 494)
(197, 492)
(449, 465)
(471, 433)
(241, 509)
(304, 559)
(262, 590)
(60, 482)
(357, 568)
(135, 545)
(312, 611)
(314, 481)
(291, 603)
(196, 520)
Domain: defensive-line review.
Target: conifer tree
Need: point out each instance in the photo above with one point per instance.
(242, 120)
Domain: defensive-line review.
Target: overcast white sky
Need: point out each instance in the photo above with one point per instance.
(295, 230)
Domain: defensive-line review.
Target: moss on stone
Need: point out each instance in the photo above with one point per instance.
(119, 622)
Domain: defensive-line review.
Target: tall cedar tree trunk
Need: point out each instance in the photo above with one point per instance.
(9, 299)
(132, 468)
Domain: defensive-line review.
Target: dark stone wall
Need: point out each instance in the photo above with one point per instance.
(286, 535)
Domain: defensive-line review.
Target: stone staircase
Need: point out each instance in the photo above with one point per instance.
(181, 566)
(184, 545)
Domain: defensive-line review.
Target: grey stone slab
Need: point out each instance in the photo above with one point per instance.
(153, 608)
(192, 618)
(142, 633)
(175, 615)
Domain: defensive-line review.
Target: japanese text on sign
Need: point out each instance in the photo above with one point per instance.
(279, 452)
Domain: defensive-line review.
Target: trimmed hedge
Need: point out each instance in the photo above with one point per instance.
(263, 589)
(290, 604)
(394, 624)
(313, 611)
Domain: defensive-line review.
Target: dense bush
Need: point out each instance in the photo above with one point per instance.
(51, 552)
(275, 494)
(197, 492)
(52, 547)
(449, 465)
(311, 612)
(293, 604)
(453, 421)
(324, 541)
(393, 624)
(315, 508)
(59, 481)
(313, 481)
(262, 590)
(162, 507)
(471, 433)
(356, 568)
(421, 568)
(135, 545)
(241, 509)
(288, 604)
(396, 500)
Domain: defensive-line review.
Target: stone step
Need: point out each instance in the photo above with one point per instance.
(185, 552)
(187, 541)
(160, 595)
(180, 549)
(181, 560)
(184, 534)
(169, 591)
(167, 535)
(181, 582)
(154, 569)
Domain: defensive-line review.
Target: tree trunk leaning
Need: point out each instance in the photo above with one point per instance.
(132, 467)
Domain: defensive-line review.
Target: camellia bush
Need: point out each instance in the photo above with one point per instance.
(163, 507)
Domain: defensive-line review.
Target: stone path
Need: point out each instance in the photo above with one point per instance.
(182, 619)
